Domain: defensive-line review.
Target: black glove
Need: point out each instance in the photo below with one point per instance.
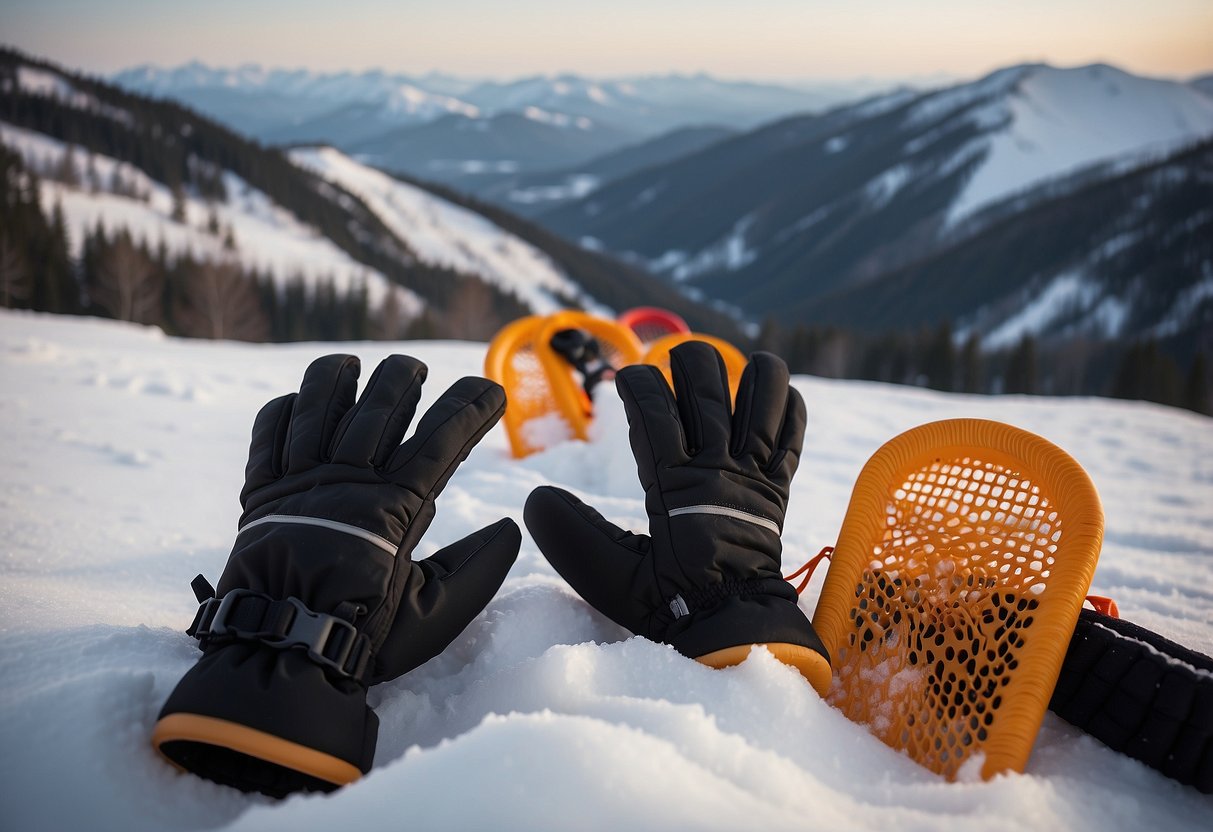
(320, 597)
(708, 580)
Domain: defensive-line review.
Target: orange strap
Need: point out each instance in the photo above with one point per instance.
(1104, 605)
(809, 568)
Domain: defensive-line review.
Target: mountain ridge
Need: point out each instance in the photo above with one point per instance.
(809, 205)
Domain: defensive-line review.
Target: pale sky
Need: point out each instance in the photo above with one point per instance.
(759, 39)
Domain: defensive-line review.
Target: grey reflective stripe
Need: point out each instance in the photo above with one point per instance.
(725, 511)
(345, 528)
(679, 607)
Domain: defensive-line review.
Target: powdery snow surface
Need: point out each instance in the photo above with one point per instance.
(445, 234)
(1056, 121)
(120, 464)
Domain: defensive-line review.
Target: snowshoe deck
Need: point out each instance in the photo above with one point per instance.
(958, 576)
(547, 402)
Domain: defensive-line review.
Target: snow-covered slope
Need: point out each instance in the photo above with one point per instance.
(542, 714)
(1054, 121)
(807, 206)
(267, 238)
(1118, 253)
(445, 234)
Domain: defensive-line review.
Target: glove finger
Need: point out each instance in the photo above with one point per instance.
(655, 430)
(604, 564)
(701, 387)
(373, 427)
(268, 444)
(762, 401)
(444, 593)
(791, 440)
(446, 435)
(327, 392)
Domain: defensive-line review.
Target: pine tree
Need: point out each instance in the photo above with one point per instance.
(771, 338)
(15, 283)
(178, 213)
(1197, 394)
(939, 364)
(92, 180)
(970, 365)
(63, 289)
(1021, 368)
(1147, 373)
(66, 171)
(422, 328)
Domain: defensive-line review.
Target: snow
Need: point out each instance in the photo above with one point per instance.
(883, 188)
(120, 465)
(442, 233)
(1187, 303)
(557, 119)
(41, 82)
(803, 224)
(268, 238)
(730, 253)
(1055, 121)
(398, 97)
(940, 104)
(51, 85)
(574, 186)
(1061, 295)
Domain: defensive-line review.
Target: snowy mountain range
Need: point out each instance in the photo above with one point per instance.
(183, 185)
(814, 205)
(642, 106)
(462, 131)
(1109, 254)
(1065, 203)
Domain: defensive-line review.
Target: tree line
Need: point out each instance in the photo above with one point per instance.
(191, 154)
(1147, 369)
(119, 277)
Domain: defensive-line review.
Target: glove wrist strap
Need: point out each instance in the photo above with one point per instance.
(247, 616)
(688, 603)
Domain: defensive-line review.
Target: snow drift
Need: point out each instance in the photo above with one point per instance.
(122, 458)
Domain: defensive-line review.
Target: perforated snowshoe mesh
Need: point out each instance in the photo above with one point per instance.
(957, 578)
(546, 402)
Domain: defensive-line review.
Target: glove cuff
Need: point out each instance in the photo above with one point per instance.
(720, 624)
(267, 720)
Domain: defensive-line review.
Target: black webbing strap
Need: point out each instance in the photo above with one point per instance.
(692, 601)
(1141, 695)
(243, 615)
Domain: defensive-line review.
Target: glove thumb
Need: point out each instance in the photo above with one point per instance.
(605, 565)
(444, 593)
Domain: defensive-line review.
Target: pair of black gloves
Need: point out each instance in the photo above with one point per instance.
(320, 597)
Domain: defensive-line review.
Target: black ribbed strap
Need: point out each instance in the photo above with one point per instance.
(1140, 694)
(244, 615)
(688, 603)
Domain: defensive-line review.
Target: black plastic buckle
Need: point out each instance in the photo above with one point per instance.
(331, 642)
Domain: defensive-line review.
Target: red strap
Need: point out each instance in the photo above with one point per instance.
(809, 567)
(1104, 605)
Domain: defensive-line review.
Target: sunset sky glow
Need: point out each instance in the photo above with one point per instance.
(762, 39)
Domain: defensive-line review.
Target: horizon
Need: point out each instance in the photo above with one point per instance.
(771, 41)
(938, 77)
